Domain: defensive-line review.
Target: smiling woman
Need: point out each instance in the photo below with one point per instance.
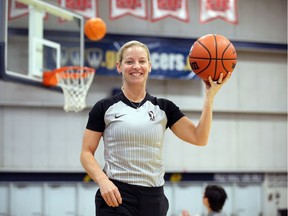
(132, 124)
(133, 62)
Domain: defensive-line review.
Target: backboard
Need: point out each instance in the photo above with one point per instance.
(38, 36)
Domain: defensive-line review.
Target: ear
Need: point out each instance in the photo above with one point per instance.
(150, 67)
(206, 202)
(118, 67)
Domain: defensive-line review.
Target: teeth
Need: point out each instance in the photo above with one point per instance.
(135, 74)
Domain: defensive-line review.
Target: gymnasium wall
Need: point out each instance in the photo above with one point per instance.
(257, 18)
(247, 151)
(250, 114)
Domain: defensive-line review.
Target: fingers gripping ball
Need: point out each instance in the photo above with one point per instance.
(95, 29)
(212, 55)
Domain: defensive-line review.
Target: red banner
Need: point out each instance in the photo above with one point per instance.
(169, 8)
(223, 9)
(17, 9)
(87, 8)
(137, 8)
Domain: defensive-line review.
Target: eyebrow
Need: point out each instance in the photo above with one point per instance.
(131, 58)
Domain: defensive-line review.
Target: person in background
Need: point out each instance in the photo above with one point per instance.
(132, 124)
(213, 199)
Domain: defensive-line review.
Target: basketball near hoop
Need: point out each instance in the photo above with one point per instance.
(95, 29)
(75, 82)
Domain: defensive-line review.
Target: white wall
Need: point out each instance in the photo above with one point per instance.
(250, 121)
(47, 199)
(249, 130)
(256, 19)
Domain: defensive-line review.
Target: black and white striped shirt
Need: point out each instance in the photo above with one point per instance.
(133, 137)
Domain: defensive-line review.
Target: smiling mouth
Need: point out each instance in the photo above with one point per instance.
(136, 74)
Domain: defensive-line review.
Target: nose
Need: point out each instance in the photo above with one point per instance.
(136, 64)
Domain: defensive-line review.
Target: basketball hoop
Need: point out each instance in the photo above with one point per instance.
(75, 82)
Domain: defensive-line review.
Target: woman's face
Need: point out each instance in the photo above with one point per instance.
(135, 65)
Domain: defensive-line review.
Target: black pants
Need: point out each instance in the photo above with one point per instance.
(136, 201)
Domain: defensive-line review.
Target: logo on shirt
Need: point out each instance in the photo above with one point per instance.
(118, 116)
(151, 115)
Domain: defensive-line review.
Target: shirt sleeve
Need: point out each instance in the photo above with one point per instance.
(172, 111)
(96, 118)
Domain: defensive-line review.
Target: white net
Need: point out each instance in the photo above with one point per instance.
(75, 83)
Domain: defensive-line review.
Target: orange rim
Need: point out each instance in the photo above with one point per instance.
(50, 78)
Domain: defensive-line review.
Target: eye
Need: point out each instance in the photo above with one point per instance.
(129, 62)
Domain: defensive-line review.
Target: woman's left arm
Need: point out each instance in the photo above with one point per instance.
(198, 134)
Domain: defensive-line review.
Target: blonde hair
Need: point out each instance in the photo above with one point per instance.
(128, 45)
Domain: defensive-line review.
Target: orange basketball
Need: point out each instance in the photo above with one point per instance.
(212, 55)
(95, 29)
